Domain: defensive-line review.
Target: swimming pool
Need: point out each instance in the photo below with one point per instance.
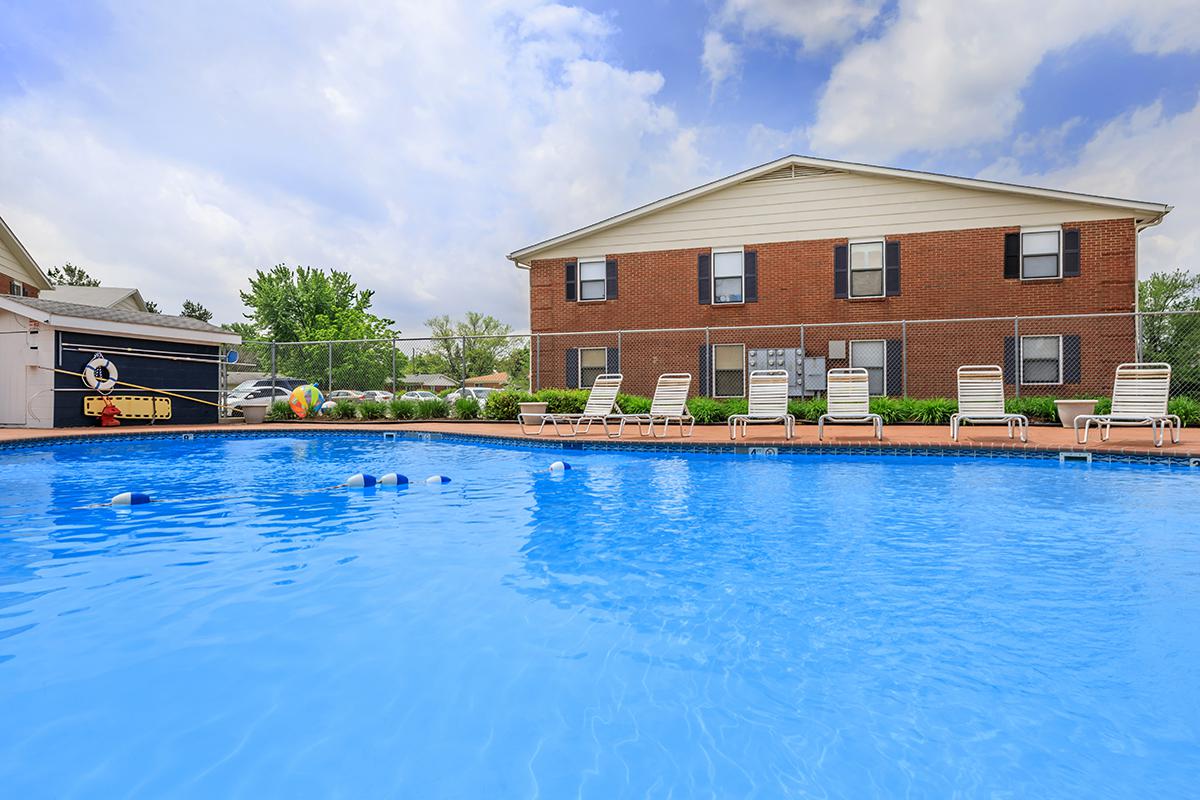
(646, 624)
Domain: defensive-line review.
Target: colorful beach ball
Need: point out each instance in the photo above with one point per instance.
(305, 400)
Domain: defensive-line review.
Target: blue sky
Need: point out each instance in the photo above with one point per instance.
(177, 147)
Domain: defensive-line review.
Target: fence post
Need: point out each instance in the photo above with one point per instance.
(904, 357)
(1017, 357)
(272, 369)
(330, 374)
(800, 367)
(710, 379)
(394, 376)
(618, 351)
(465, 371)
(537, 368)
(1137, 336)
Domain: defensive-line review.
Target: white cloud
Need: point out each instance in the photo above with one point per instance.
(1142, 155)
(719, 58)
(815, 23)
(413, 145)
(950, 75)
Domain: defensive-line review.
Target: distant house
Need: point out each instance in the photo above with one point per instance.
(19, 273)
(103, 296)
(496, 380)
(429, 383)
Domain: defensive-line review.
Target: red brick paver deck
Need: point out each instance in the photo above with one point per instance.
(1128, 441)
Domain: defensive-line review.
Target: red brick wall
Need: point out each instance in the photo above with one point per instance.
(947, 274)
(6, 282)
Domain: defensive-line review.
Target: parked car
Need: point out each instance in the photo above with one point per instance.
(245, 387)
(344, 394)
(470, 391)
(261, 394)
(378, 396)
(418, 396)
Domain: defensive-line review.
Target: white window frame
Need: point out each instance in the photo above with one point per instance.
(17, 288)
(879, 240)
(579, 262)
(850, 359)
(712, 355)
(1021, 359)
(712, 276)
(579, 367)
(1044, 229)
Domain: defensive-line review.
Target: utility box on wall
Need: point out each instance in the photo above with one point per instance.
(806, 375)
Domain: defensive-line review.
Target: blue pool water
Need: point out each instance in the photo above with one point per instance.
(646, 625)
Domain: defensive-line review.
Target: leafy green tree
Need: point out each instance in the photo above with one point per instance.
(1169, 332)
(152, 307)
(475, 345)
(70, 275)
(195, 311)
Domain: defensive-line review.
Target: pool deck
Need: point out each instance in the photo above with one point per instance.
(1124, 441)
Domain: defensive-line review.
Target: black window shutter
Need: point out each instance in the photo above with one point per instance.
(1012, 255)
(750, 265)
(1071, 253)
(571, 282)
(891, 273)
(1010, 359)
(12, 287)
(612, 360)
(572, 368)
(1072, 359)
(893, 357)
(841, 270)
(704, 278)
(705, 371)
(610, 279)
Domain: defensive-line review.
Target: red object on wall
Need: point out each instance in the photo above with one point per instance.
(108, 416)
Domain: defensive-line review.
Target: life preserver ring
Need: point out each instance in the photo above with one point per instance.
(100, 374)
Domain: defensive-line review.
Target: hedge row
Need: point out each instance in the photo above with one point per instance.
(505, 405)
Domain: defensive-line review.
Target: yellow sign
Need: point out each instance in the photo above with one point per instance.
(132, 406)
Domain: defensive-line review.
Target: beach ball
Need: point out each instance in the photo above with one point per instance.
(306, 399)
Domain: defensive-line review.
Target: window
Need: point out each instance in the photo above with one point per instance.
(866, 269)
(871, 356)
(593, 362)
(729, 276)
(1041, 359)
(16, 288)
(592, 284)
(729, 370)
(1040, 253)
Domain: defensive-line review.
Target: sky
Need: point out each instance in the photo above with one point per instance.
(177, 147)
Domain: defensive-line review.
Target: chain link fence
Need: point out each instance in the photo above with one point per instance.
(1043, 356)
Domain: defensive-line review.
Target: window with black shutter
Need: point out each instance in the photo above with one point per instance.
(704, 278)
(571, 281)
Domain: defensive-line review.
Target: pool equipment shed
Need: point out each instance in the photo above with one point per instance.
(165, 364)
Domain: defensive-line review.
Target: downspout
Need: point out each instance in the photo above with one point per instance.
(1138, 227)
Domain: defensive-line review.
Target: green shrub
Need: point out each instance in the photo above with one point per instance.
(432, 409)
(563, 401)
(343, 409)
(935, 411)
(891, 409)
(810, 409)
(372, 409)
(466, 408)
(708, 411)
(634, 404)
(1038, 409)
(402, 409)
(505, 405)
(280, 411)
(1187, 409)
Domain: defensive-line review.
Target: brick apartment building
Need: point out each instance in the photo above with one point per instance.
(836, 246)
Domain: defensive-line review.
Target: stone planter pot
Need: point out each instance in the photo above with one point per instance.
(255, 413)
(533, 409)
(1068, 410)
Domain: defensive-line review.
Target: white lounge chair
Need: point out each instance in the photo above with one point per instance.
(601, 407)
(981, 399)
(848, 397)
(669, 405)
(768, 402)
(1140, 395)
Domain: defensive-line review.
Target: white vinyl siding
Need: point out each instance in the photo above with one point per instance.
(1041, 360)
(729, 276)
(866, 269)
(593, 362)
(871, 355)
(729, 370)
(592, 283)
(1041, 253)
(837, 205)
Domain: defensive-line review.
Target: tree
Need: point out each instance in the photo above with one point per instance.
(1170, 326)
(475, 345)
(152, 307)
(195, 311)
(297, 307)
(70, 275)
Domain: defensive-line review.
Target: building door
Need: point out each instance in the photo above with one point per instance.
(12, 382)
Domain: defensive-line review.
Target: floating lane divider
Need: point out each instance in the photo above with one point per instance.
(130, 499)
